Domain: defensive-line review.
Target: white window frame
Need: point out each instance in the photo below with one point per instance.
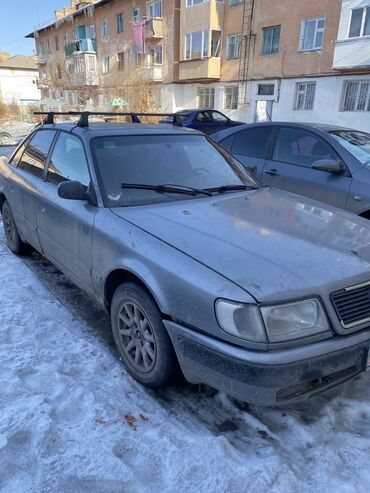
(318, 30)
(105, 64)
(237, 46)
(90, 31)
(104, 26)
(202, 93)
(121, 66)
(233, 97)
(361, 85)
(135, 14)
(158, 53)
(365, 8)
(305, 106)
(203, 55)
(149, 5)
(65, 38)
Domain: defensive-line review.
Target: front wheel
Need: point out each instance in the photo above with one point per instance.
(141, 338)
(13, 240)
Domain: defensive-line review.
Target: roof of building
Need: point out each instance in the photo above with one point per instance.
(20, 62)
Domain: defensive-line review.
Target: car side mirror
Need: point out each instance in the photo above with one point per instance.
(329, 165)
(74, 190)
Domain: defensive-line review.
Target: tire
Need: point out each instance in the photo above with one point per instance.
(141, 338)
(13, 240)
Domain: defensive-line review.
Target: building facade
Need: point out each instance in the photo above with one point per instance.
(18, 80)
(253, 59)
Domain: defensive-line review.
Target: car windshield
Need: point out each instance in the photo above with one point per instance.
(182, 161)
(357, 143)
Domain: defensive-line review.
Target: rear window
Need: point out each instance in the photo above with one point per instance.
(252, 142)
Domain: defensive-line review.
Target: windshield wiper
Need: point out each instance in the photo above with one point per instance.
(227, 188)
(169, 188)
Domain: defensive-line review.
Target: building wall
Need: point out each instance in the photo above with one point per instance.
(289, 61)
(17, 85)
(233, 24)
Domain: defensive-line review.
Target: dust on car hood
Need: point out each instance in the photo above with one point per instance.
(270, 243)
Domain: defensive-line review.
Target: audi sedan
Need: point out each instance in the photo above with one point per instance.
(259, 293)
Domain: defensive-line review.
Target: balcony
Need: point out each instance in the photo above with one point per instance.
(154, 28)
(352, 54)
(80, 46)
(200, 69)
(42, 58)
(153, 72)
(82, 69)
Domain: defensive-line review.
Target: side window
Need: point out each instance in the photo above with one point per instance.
(227, 143)
(204, 116)
(218, 117)
(34, 158)
(15, 160)
(68, 161)
(252, 142)
(296, 146)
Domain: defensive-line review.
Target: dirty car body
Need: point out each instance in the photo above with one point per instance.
(264, 294)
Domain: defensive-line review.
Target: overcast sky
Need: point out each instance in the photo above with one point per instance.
(20, 17)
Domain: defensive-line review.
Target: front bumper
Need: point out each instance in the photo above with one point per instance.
(271, 377)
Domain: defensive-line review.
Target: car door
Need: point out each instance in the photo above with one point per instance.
(290, 167)
(65, 226)
(222, 122)
(27, 183)
(250, 146)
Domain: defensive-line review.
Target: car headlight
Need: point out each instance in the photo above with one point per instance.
(294, 320)
(240, 320)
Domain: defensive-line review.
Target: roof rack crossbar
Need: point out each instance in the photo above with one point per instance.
(84, 115)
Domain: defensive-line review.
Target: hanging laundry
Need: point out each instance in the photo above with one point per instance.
(139, 38)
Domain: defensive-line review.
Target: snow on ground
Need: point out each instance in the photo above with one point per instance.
(72, 420)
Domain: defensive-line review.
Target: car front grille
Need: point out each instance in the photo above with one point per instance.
(353, 305)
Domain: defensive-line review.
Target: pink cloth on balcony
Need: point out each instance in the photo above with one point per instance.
(139, 39)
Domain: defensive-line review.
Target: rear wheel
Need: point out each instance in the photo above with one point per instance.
(141, 337)
(13, 240)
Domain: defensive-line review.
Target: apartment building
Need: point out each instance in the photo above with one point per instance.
(311, 62)
(18, 78)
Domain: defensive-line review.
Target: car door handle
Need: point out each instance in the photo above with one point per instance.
(272, 172)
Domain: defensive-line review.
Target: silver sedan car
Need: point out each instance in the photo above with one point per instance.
(257, 292)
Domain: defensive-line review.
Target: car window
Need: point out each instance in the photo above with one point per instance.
(204, 116)
(357, 143)
(181, 160)
(34, 158)
(296, 146)
(252, 142)
(18, 154)
(68, 161)
(218, 117)
(227, 143)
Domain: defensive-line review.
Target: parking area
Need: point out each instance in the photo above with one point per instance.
(73, 420)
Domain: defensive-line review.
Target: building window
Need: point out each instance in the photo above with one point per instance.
(57, 44)
(119, 22)
(312, 34)
(104, 30)
(158, 55)
(105, 64)
(65, 37)
(304, 95)
(355, 96)
(206, 97)
(216, 43)
(266, 89)
(91, 63)
(121, 60)
(90, 31)
(48, 46)
(196, 45)
(42, 48)
(136, 14)
(233, 46)
(231, 98)
(360, 22)
(270, 40)
(154, 9)
(190, 3)
(235, 2)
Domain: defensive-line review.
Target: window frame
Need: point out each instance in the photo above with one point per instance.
(365, 13)
(233, 96)
(269, 145)
(237, 46)
(104, 30)
(28, 141)
(203, 55)
(135, 14)
(317, 30)
(150, 4)
(359, 82)
(208, 88)
(121, 62)
(297, 92)
(120, 23)
(264, 30)
(105, 65)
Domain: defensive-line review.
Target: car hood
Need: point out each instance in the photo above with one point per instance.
(273, 244)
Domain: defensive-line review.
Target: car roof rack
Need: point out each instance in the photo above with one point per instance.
(84, 116)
